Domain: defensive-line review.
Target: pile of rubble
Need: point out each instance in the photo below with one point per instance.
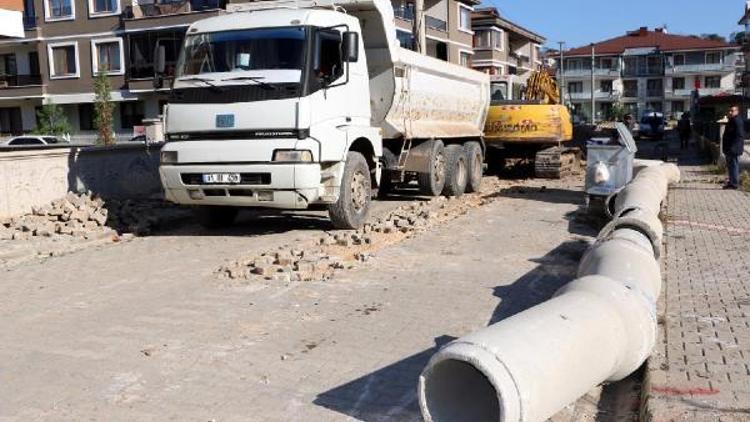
(86, 216)
(318, 260)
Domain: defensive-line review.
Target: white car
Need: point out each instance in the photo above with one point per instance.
(34, 140)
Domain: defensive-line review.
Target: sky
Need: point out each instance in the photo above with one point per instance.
(580, 22)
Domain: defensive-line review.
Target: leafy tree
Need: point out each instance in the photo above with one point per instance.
(103, 108)
(713, 37)
(51, 120)
(617, 112)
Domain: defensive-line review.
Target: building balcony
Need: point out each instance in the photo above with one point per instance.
(402, 12)
(167, 8)
(582, 73)
(436, 24)
(643, 72)
(655, 93)
(700, 68)
(15, 81)
(598, 95)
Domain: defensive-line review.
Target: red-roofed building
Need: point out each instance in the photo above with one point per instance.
(648, 70)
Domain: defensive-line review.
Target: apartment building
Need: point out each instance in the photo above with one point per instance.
(647, 70)
(502, 47)
(67, 41)
(448, 28)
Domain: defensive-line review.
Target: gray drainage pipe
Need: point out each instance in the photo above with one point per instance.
(599, 328)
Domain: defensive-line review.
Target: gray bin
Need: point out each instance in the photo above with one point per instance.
(616, 157)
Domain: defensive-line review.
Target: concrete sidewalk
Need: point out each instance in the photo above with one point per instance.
(700, 370)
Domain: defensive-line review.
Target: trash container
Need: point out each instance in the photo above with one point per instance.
(609, 166)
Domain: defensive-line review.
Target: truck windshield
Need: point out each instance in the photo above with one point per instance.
(243, 50)
(498, 92)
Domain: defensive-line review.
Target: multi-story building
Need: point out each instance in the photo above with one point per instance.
(448, 28)
(647, 70)
(67, 41)
(502, 47)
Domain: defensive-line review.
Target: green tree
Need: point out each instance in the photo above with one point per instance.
(713, 37)
(617, 112)
(103, 108)
(51, 120)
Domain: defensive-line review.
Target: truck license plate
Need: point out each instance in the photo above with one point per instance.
(221, 178)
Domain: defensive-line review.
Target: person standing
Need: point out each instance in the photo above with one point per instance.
(732, 145)
(684, 130)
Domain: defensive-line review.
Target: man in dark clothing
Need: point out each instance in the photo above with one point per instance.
(684, 130)
(733, 145)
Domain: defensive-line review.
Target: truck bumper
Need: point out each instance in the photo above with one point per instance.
(284, 186)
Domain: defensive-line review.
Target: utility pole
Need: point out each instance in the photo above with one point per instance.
(420, 37)
(593, 82)
(561, 68)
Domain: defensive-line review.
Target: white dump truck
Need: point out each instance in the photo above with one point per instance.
(294, 105)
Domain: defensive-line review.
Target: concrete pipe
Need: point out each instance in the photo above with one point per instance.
(649, 184)
(599, 328)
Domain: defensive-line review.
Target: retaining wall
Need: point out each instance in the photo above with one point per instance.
(35, 176)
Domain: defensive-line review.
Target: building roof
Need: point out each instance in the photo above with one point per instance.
(643, 38)
(489, 16)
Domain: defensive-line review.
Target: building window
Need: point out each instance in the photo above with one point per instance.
(606, 63)
(679, 59)
(464, 18)
(488, 38)
(574, 65)
(630, 88)
(131, 114)
(575, 87)
(605, 86)
(654, 88)
(713, 82)
(63, 60)
(678, 83)
(107, 55)
(86, 116)
(713, 58)
(59, 9)
(104, 7)
(142, 47)
(406, 39)
(464, 58)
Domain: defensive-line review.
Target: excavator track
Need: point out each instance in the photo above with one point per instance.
(557, 162)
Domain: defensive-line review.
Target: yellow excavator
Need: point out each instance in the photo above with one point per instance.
(529, 121)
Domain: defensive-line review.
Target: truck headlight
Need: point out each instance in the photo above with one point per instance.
(292, 156)
(168, 157)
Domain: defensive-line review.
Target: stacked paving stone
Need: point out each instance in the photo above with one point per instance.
(85, 216)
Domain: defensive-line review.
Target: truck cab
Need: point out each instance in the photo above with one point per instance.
(264, 110)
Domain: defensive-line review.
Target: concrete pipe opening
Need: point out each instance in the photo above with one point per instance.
(457, 391)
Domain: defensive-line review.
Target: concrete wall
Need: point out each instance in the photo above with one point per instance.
(35, 177)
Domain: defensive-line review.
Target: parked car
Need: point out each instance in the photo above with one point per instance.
(651, 126)
(34, 140)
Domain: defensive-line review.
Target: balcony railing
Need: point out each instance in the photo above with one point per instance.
(630, 93)
(11, 81)
(599, 95)
(698, 68)
(404, 12)
(587, 72)
(435, 23)
(655, 92)
(30, 22)
(171, 8)
(644, 71)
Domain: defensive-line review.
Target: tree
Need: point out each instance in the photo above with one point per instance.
(103, 108)
(713, 37)
(52, 120)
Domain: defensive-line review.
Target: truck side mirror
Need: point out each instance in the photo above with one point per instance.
(350, 46)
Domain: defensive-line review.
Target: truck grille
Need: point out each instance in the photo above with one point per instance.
(245, 178)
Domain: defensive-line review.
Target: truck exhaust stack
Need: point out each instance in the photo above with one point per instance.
(599, 328)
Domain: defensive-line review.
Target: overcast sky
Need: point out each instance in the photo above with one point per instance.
(579, 22)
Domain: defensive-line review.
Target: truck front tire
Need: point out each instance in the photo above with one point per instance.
(215, 217)
(432, 181)
(352, 208)
(474, 166)
(456, 171)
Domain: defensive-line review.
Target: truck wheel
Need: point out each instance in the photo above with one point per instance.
(474, 164)
(215, 217)
(388, 161)
(431, 183)
(455, 174)
(352, 208)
